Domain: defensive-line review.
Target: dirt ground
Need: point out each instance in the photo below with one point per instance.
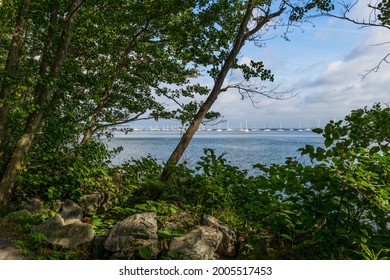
(7, 245)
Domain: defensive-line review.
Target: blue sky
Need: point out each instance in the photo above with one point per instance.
(323, 65)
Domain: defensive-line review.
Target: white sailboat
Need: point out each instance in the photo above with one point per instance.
(241, 129)
(299, 127)
(266, 129)
(280, 127)
(228, 127)
(246, 127)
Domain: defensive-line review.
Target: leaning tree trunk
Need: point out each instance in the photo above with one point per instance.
(91, 127)
(11, 65)
(93, 121)
(44, 96)
(242, 35)
(190, 132)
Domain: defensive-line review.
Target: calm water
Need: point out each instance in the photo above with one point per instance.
(242, 149)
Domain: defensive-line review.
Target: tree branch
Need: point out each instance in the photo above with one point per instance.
(249, 92)
(135, 118)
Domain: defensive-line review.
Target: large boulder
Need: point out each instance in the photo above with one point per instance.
(200, 243)
(66, 233)
(34, 205)
(98, 202)
(133, 233)
(71, 210)
(229, 243)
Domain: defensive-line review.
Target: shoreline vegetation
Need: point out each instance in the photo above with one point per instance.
(71, 69)
(337, 208)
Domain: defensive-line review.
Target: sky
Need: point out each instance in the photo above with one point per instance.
(323, 64)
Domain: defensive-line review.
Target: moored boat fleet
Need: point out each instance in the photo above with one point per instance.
(210, 129)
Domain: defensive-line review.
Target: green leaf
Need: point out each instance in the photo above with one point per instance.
(145, 253)
(287, 236)
(328, 142)
(318, 130)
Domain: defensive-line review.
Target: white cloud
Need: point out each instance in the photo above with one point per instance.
(324, 65)
(328, 88)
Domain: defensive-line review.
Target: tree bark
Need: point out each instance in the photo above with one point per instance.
(11, 64)
(92, 124)
(44, 96)
(242, 35)
(228, 63)
(91, 127)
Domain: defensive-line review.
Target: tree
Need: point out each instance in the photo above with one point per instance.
(250, 17)
(12, 64)
(137, 57)
(50, 67)
(78, 76)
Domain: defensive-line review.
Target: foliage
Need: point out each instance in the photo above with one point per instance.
(336, 208)
(67, 174)
(122, 64)
(384, 12)
(328, 210)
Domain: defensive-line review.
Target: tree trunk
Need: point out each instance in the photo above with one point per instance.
(242, 35)
(190, 132)
(44, 96)
(11, 65)
(92, 124)
(90, 130)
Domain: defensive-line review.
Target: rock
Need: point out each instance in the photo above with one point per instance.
(200, 243)
(67, 233)
(133, 233)
(96, 203)
(119, 256)
(98, 251)
(229, 243)
(34, 205)
(18, 215)
(71, 210)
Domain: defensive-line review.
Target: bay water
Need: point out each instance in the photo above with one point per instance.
(241, 149)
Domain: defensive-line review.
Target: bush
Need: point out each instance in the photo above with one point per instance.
(328, 210)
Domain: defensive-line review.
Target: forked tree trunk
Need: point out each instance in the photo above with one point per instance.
(44, 96)
(11, 65)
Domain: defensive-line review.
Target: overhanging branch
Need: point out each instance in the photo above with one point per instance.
(251, 91)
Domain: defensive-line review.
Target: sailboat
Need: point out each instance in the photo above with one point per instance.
(280, 127)
(299, 127)
(241, 129)
(246, 127)
(229, 128)
(266, 129)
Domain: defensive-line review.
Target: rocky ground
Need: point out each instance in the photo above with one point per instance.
(7, 246)
(137, 236)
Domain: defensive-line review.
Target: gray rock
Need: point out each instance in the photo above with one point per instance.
(98, 251)
(18, 215)
(71, 210)
(134, 232)
(66, 233)
(96, 203)
(200, 243)
(229, 241)
(34, 205)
